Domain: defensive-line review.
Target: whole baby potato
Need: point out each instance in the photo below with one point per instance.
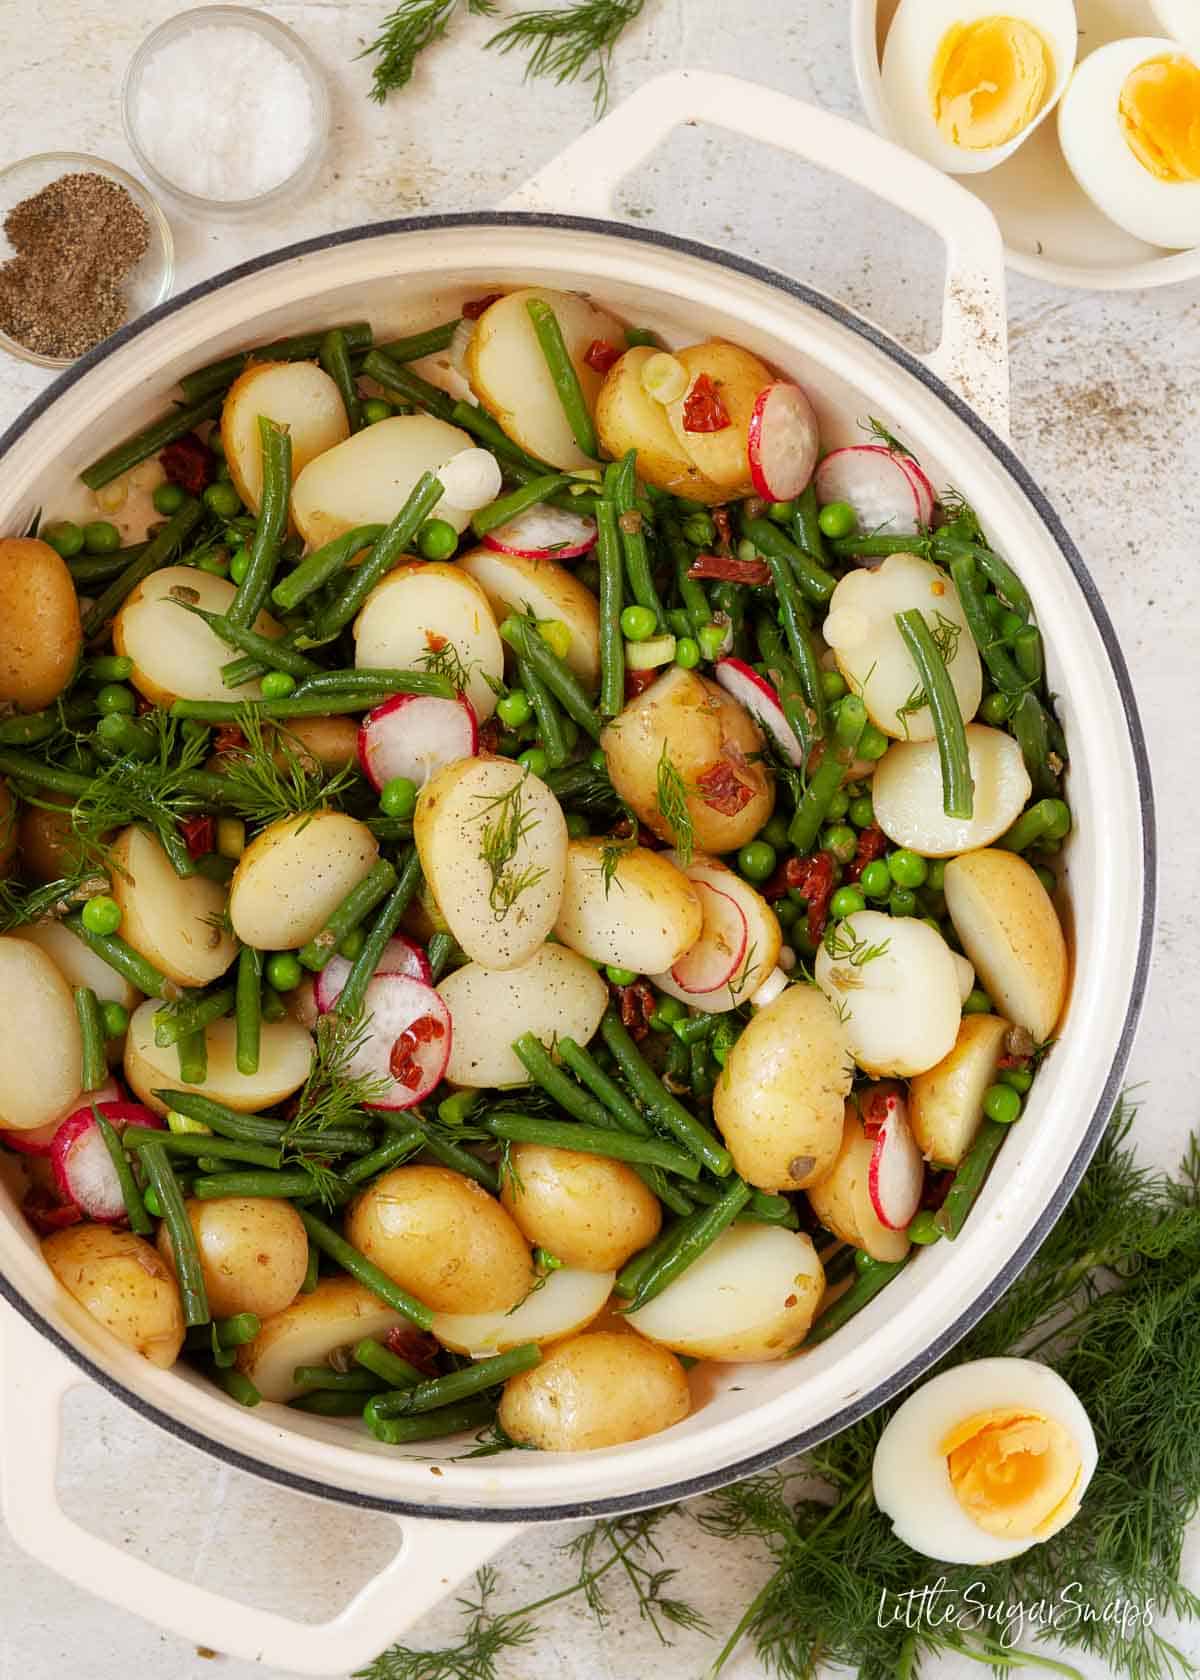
(738, 378)
(595, 1390)
(778, 1102)
(40, 1047)
(40, 632)
(586, 1210)
(292, 877)
(46, 838)
(441, 1237)
(253, 1253)
(124, 1284)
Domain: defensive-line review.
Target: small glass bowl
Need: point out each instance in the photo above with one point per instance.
(280, 36)
(148, 284)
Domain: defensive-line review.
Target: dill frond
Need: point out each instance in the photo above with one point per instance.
(272, 775)
(672, 797)
(505, 825)
(405, 34)
(571, 42)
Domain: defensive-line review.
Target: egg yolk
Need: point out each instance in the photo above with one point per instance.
(1159, 109)
(990, 79)
(1013, 1472)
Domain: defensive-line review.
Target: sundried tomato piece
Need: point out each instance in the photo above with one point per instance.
(229, 739)
(199, 835)
(721, 788)
(872, 843)
(475, 308)
(704, 408)
(728, 569)
(600, 355)
(417, 1346)
(188, 463)
(637, 1005)
(812, 878)
(636, 682)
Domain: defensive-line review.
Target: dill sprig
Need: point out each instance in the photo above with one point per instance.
(571, 42)
(672, 799)
(876, 429)
(945, 636)
(405, 34)
(842, 944)
(446, 661)
(505, 824)
(270, 774)
(22, 902)
(154, 791)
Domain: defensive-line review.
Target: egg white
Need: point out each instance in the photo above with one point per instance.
(912, 1478)
(917, 31)
(1181, 20)
(1089, 130)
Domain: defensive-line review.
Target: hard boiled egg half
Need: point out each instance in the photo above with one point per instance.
(1129, 125)
(984, 1461)
(965, 81)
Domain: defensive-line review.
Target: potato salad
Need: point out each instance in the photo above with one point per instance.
(522, 871)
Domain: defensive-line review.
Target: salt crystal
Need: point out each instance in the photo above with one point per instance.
(223, 113)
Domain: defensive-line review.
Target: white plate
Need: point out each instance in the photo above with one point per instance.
(1052, 231)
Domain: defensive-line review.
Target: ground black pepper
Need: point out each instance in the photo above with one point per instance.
(75, 241)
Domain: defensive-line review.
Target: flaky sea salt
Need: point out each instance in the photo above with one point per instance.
(223, 113)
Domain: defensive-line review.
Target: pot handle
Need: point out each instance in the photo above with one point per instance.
(972, 357)
(432, 1558)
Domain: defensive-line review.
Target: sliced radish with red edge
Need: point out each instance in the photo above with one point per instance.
(400, 956)
(926, 495)
(415, 735)
(544, 533)
(83, 1168)
(874, 482)
(407, 1040)
(39, 1140)
(896, 1176)
(762, 702)
(783, 442)
(714, 959)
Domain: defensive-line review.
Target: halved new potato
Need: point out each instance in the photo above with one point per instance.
(1011, 932)
(40, 632)
(40, 1049)
(174, 921)
(561, 1305)
(285, 1056)
(337, 1314)
(586, 1210)
(513, 583)
(642, 914)
(685, 737)
(738, 378)
(367, 479)
(945, 1103)
(429, 607)
(508, 371)
(873, 657)
(907, 793)
(78, 963)
(492, 841)
(764, 940)
(292, 877)
(751, 1296)
(842, 1199)
(175, 654)
(778, 1103)
(628, 417)
(556, 994)
(124, 1284)
(298, 395)
(595, 1390)
(895, 983)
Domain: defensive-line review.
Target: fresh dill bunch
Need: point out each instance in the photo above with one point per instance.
(672, 800)
(153, 791)
(270, 775)
(505, 824)
(333, 1095)
(571, 42)
(405, 34)
(446, 661)
(22, 902)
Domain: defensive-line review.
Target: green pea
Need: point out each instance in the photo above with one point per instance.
(535, 761)
(101, 537)
(454, 1111)
(873, 743)
(687, 653)
(993, 709)
(699, 530)
(907, 868)
(115, 1019)
(115, 697)
(437, 539)
(833, 686)
(352, 944)
(923, 1228)
(902, 902)
(862, 811)
(509, 745)
(193, 730)
(101, 915)
(936, 879)
(215, 445)
(577, 825)
(167, 499)
(283, 971)
(841, 841)
(785, 912)
(1002, 1104)
(376, 409)
(864, 1262)
(638, 623)
(239, 565)
(1010, 624)
(398, 798)
(977, 1002)
(846, 901)
(215, 564)
(514, 708)
(64, 537)
(620, 976)
(1047, 877)
(671, 1009)
(711, 638)
(223, 500)
(756, 860)
(995, 608)
(222, 474)
(1019, 1078)
(839, 805)
(747, 551)
(837, 519)
(775, 832)
(277, 685)
(876, 879)
(781, 512)
(597, 759)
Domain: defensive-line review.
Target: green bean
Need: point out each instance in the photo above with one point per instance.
(950, 732)
(127, 962)
(1049, 819)
(99, 568)
(612, 595)
(1027, 647)
(21, 767)
(369, 1275)
(357, 904)
(658, 1101)
(813, 580)
(324, 1379)
(1031, 727)
(170, 1025)
(276, 445)
(635, 1269)
(801, 718)
(826, 779)
(703, 1071)
(441, 951)
(106, 668)
(312, 1271)
(551, 733)
(269, 651)
(864, 1288)
(694, 1027)
(248, 1010)
(697, 1234)
(197, 1146)
(633, 537)
(795, 618)
(587, 1069)
(458, 1159)
(286, 1185)
(434, 1392)
(839, 1265)
(225, 1333)
(323, 565)
(878, 548)
(221, 712)
(562, 372)
(26, 729)
(226, 1122)
(118, 736)
(238, 1386)
(507, 507)
(969, 1179)
(995, 655)
(999, 573)
(94, 1061)
(382, 1362)
(481, 425)
(387, 1155)
(328, 1402)
(159, 551)
(218, 376)
(522, 636)
(140, 1222)
(417, 345)
(430, 1426)
(408, 385)
(806, 527)
(334, 357)
(378, 684)
(140, 447)
(593, 1140)
(539, 1064)
(762, 1209)
(185, 1252)
(424, 496)
(350, 1000)
(691, 590)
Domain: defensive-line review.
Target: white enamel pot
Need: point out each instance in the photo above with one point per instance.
(952, 410)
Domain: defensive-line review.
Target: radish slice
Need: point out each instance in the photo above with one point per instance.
(876, 485)
(83, 1169)
(896, 1176)
(713, 960)
(544, 533)
(926, 495)
(415, 735)
(407, 1042)
(40, 1139)
(400, 956)
(783, 442)
(762, 702)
